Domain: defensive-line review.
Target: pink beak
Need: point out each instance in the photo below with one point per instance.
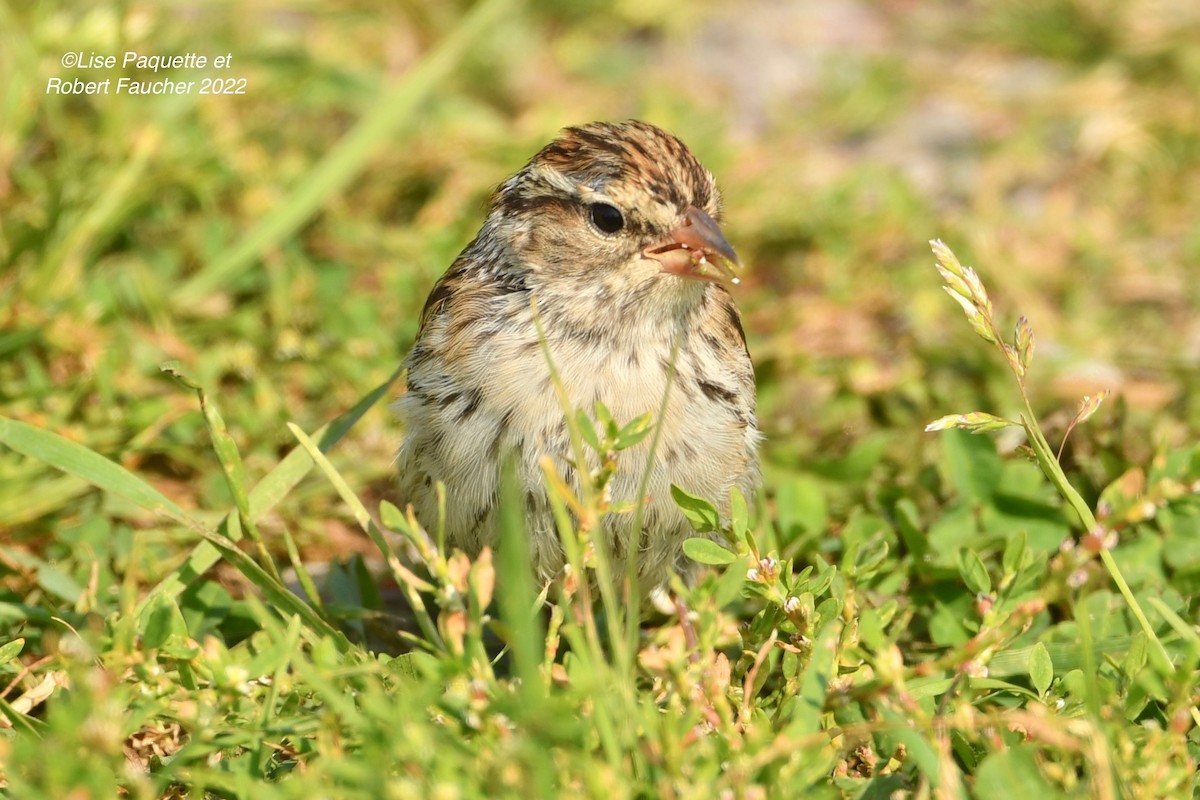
(698, 250)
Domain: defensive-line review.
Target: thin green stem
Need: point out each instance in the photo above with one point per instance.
(635, 532)
(1053, 470)
(586, 493)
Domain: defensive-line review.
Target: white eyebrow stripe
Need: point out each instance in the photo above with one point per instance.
(556, 179)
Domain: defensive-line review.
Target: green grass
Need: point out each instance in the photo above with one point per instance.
(205, 591)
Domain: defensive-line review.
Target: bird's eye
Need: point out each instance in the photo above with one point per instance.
(607, 218)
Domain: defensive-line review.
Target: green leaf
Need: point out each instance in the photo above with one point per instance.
(706, 551)
(971, 465)
(870, 629)
(231, 464)
(1014, 553)
(973, 571)
(936, 686)
(739, 513)
(867, 558)
(59, 583)
(10, 650)
(1186, 630)
(701, 513)
(161, 620)
(267, 493)
(730, 582)
(1013, 773)
(946, 621)
(278, 596)
(392, 517)
(411, 668)
(605, 419)
(29, 726)
(806, 712)
(920, 751)
(75, 459)
(1042, 522)
(1041, 668)
(635, 431)
(349, 583)
(1135, 658)
(908, 523)
(1181, 544)
(1065, 656)
(587, 430)
(205, 606)
(956, 528)
(820, 583)
(801, 503)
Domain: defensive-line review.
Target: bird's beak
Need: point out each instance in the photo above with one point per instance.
(697, 249)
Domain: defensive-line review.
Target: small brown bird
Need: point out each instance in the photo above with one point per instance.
(611, 230)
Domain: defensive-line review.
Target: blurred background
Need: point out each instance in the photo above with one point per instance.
(279, 244)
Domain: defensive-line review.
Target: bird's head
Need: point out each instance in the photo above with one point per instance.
(608, 202)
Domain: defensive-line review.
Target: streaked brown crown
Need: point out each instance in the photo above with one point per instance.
(620, 157)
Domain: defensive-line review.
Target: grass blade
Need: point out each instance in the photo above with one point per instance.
(75, 459)
(269, 491)
(391, 113)
(282, 600)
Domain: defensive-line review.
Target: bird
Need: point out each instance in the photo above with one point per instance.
(608, 237)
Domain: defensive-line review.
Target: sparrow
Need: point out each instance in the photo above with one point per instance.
(609, 236)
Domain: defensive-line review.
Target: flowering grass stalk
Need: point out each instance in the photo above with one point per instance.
(964, 285)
